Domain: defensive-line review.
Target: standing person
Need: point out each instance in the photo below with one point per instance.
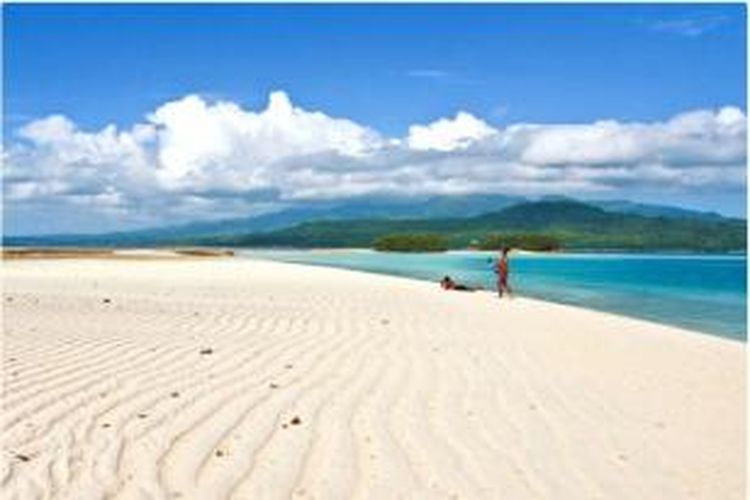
(502, 268)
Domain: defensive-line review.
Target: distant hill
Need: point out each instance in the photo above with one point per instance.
(411, 209)
(628, 207)
(395, 208)
(576, 225)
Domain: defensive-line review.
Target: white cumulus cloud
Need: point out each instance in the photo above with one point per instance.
(202, 143)
(449, 134)
(192, 158)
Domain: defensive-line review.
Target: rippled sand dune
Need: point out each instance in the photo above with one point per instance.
(228, 378)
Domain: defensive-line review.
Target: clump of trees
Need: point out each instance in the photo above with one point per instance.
(524, 241)
(411, 242)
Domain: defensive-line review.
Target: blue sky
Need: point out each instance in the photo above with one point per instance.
(386, 68)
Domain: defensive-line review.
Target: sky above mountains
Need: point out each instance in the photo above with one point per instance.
(119, 117)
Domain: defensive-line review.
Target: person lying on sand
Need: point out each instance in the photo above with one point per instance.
(448, 284)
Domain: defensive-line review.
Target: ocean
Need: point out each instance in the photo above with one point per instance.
(704, 293)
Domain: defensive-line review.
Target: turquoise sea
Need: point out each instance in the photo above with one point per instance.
(705, 293)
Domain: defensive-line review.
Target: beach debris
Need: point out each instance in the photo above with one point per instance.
(206, 351)
(9, 299)
(273, 385)
(284, 426)
(289, 366)
(175, 394)
(219, 453)
(106, 300)
(142, 415)
(296, 421)
(11, 360)
(106, 425)
(22, 457)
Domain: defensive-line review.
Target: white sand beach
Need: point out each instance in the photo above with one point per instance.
(214, 378)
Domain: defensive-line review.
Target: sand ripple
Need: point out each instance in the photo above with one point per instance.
(248, 380)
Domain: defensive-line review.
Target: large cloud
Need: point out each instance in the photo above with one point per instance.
(191, 159)
(204, 145)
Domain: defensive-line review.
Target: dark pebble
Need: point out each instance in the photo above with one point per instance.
(23, 458)
(207, 351)
(296, 421)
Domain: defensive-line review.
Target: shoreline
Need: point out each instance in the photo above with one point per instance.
(28, 253)
(718, 334)
(145, 254)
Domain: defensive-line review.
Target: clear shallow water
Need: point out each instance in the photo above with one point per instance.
(698, 292)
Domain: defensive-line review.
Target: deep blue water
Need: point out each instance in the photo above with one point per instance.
(705, 293)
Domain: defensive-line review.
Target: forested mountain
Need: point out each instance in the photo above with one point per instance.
(573, 224)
